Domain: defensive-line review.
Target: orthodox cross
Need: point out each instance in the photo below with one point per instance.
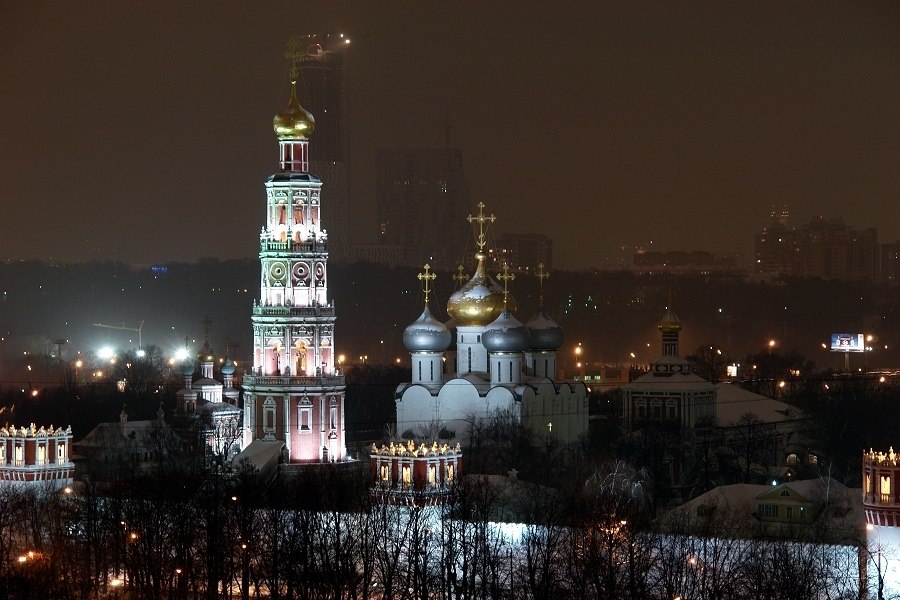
(460, 276)
(427, 277)
(293, 54)
(541, 275)
(506, 277)
(481, 220)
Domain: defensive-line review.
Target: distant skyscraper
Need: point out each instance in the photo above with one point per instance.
(423, 200)
(829, 249)
(525, 251)
(775, 247)
(323, 87)
(293, 396)
(890, 262)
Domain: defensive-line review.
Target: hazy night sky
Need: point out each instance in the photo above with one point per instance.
(141, 132)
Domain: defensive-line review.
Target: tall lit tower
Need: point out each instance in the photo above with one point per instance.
(294, 394)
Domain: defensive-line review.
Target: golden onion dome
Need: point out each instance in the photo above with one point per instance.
(294, 121)
(669, 322)
(480, 300)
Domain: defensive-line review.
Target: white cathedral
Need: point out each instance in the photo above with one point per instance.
(501, 364)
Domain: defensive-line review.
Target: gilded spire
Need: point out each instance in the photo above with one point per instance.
(506, 277)
(427, 277)
(541, 274)
(481, 219)
(294, 121)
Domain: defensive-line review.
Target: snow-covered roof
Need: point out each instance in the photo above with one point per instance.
(733, 402)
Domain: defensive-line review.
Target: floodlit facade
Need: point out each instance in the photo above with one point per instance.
(293, 393)
(35, 455)
(407, 473)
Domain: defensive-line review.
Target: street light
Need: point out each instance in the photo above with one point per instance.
(867, 347)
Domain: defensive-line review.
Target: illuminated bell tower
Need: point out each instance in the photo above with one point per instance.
(294, 394)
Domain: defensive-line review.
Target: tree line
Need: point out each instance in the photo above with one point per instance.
(187, 530)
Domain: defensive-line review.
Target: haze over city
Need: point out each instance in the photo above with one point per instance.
(143, 134)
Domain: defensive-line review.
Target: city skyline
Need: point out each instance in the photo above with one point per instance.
(142, 135)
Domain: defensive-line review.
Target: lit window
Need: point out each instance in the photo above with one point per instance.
(41, 455)
(20, 456)
(432, 474)
(407, 475)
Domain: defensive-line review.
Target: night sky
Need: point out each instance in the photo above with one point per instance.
(141, 132)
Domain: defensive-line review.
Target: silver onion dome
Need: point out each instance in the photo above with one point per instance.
(505, 334)
(543, 332)
(426, 334)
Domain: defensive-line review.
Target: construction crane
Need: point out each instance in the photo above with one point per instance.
(123, 327)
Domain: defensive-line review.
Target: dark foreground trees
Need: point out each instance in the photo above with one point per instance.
(235, 535)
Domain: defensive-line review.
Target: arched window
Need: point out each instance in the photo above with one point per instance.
(407, 475)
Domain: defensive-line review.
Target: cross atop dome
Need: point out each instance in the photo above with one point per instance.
(427, 277)
(460, 276)
(481, 219)
(541, 274)
(506, 277)
(293, 54)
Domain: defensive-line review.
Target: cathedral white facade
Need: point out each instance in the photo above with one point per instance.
(501, 364)
(294, 394)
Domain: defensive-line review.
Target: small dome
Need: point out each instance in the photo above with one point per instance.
(227, 368)
(505, 334)
(294, 121)
(669, 321)
(426, 334)
(480, 300)
(543, 332)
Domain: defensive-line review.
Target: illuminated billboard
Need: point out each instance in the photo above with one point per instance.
(848, 342)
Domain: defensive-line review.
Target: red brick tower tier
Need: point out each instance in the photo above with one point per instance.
(407, 474)
(881, 495)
